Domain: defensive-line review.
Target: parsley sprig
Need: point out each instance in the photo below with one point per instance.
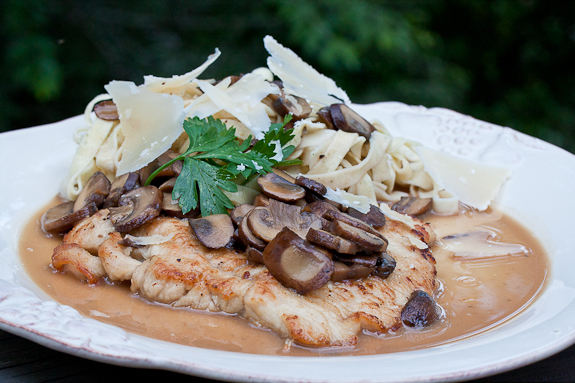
(215, 158)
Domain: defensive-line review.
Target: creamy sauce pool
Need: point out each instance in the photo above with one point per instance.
(476, 295)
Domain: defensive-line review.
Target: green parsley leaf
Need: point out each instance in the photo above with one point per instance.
(215, 157)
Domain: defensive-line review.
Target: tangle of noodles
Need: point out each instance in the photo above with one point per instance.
(383, 168)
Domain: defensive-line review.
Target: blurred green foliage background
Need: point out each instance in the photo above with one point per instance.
(507, 62)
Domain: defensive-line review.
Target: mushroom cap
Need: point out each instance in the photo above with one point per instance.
(413, 205)
(279, 188)
(147, 204)
(296, 263)
(214, 231)
(420, 310)
(239, 212)
(247, 237)
(96, 190)
(266, 222)
(120, 186)
(61, 218)
(362, 238)
(331, 241)
(346, 119)
(373, 217)
(106, 110)
(342, 272)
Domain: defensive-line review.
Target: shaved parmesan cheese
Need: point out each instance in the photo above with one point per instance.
(151, 122)
(155, 239)
(161, 84)
(472, 182)
(358, 202)
(385, 209)
(301, 79)
(242, 100)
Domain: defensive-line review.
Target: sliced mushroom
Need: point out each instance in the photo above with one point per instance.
(344, 118)
(325, 117)
(336, 215)
(368, 260)
(247, 237)
(320, 208)
(171, 208)
(311, 185)
(331, 241)
(254, 255)
(168, 186)
(420, 310)
(239, 212)
(385, 265)
(61, 218)
(214, 231)
(285, 175)
(120, 212)
(121, 185)
(279, 188)
(413, 205)
(373, 217)
(174, 169)
(96, 190)
(287, 103)
(106, 110)
(296, 263)
(342, 272)
(266, 223)
(366, 240)
(261, 200)
(147, 204)
(147, 171)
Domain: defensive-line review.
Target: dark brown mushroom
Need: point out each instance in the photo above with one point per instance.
(214, 231)
(297, 106)
(279, 188)
(344, 118)
(120, 212)
(267, 222)
(254, 255)
(331, 241)
(168, 186)
(325, 117)
(385, 265)
(239, 212)
(147, 204)
(96, 190)
(412, 205)
(420, 310)
(368, 260)
(120, 186)
(247, 237)
(174, 169)
(171, 207)
(336, 215)
(147, 171)
(61, 218)
(311, 185)
(106, 110)
(342, 272)
(373, 217)
(296, 263)
(366, 240)
(261, 200)
(320, 208)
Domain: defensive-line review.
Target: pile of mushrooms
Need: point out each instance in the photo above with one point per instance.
(303, 239)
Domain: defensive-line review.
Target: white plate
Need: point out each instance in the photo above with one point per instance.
(33, 162)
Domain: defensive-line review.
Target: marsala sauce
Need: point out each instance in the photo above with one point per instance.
(476, 296)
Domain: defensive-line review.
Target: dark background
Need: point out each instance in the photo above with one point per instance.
(507, 62)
